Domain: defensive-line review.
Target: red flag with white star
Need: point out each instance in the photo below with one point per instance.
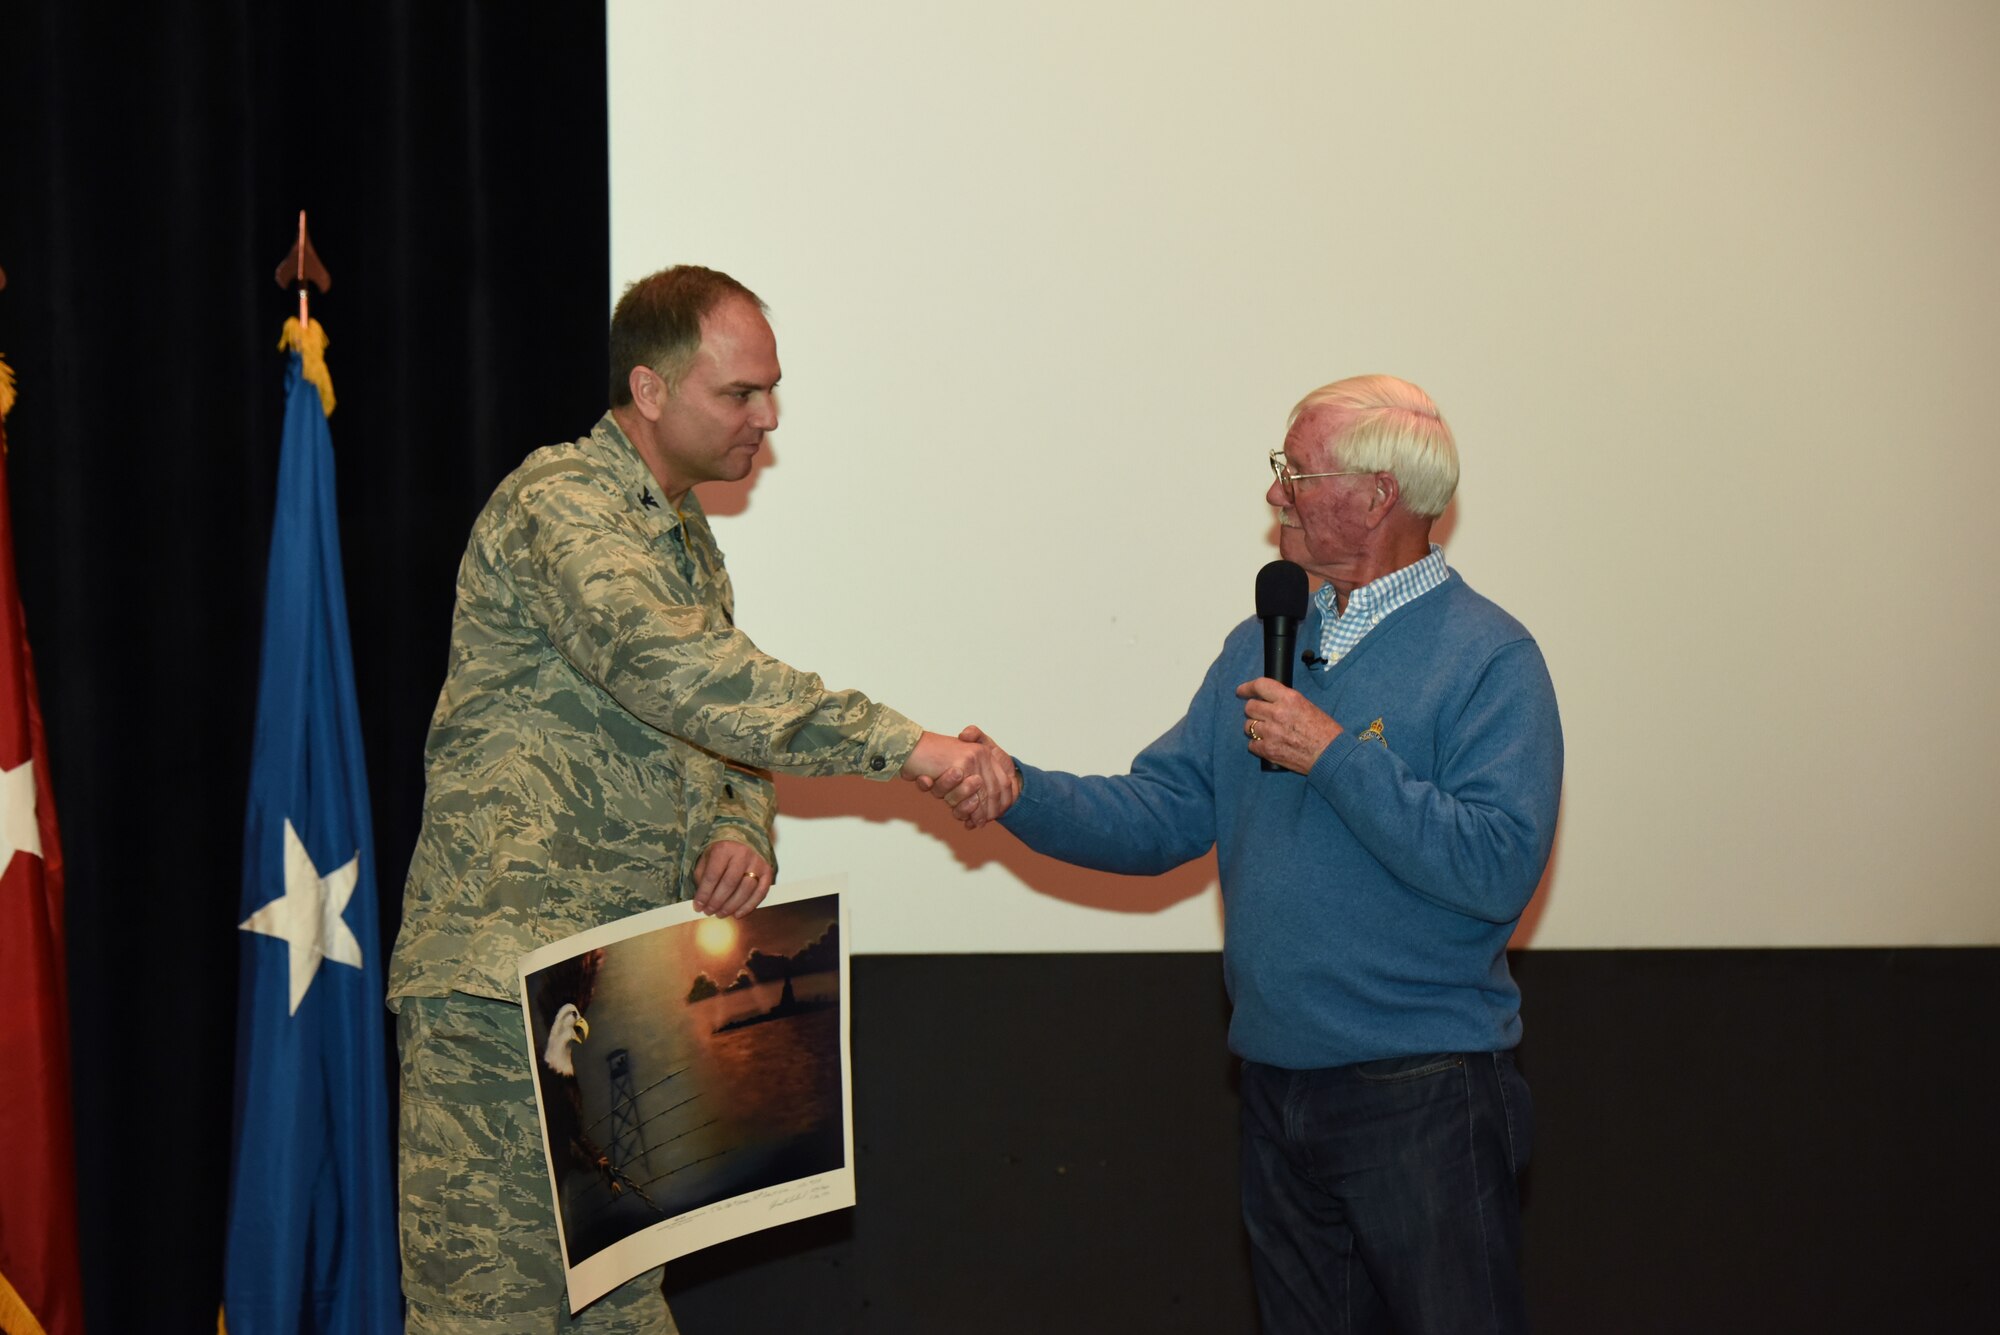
(40, 1286)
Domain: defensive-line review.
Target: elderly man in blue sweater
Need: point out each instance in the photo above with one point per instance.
(1369, 889)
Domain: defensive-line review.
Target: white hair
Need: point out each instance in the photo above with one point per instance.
(1384, 425)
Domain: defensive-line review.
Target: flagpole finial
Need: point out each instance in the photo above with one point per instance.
(301, 267)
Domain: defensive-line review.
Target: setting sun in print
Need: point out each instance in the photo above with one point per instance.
(716, 936)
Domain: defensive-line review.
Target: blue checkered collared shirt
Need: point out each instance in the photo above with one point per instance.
(1367, 605)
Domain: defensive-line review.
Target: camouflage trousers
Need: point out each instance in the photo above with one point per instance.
(480, 1250)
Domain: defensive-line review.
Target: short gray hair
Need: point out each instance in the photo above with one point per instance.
(1385, 425)
(657, 324)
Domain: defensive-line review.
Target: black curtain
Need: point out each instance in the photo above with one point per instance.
(153, 160)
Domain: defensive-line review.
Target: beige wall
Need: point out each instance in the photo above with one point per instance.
(1708, 292)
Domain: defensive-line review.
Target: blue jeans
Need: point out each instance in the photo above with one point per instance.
(1381, 1197)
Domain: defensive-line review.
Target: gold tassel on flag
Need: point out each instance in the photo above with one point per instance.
(309, 342)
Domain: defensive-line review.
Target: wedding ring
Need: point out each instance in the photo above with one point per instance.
(1255, 736)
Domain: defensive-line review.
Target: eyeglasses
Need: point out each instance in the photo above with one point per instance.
(1282, 470)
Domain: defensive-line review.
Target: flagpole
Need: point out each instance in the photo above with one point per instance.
(312, 1152)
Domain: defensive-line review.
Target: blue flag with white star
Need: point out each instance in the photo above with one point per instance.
(312, 1212)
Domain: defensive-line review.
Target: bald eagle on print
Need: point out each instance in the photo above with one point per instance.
(563, 993)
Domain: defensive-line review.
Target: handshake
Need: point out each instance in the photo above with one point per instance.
(972, 775)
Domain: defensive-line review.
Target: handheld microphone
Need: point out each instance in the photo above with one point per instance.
(1281, 606)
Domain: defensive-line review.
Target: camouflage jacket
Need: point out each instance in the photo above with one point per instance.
(598, 711)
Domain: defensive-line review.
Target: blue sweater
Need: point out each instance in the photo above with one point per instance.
(1367, 905)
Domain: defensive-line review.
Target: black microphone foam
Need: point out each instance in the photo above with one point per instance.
(1281, 591)
(1281, 606)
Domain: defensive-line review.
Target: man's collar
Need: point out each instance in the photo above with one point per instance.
(609, 443)
(1385, 593)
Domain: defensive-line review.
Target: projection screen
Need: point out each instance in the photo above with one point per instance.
(1707, 291)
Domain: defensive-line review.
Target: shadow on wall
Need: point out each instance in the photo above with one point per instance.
(820, 799)
(726, 500)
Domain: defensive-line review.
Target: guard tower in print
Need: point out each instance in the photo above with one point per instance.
(628, 1139)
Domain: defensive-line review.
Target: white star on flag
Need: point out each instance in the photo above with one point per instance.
(20, 831)
(308, 917)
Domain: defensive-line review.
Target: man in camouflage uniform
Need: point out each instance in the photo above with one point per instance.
(591, 758)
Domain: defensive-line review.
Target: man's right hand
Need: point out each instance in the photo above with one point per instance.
(975, 778)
